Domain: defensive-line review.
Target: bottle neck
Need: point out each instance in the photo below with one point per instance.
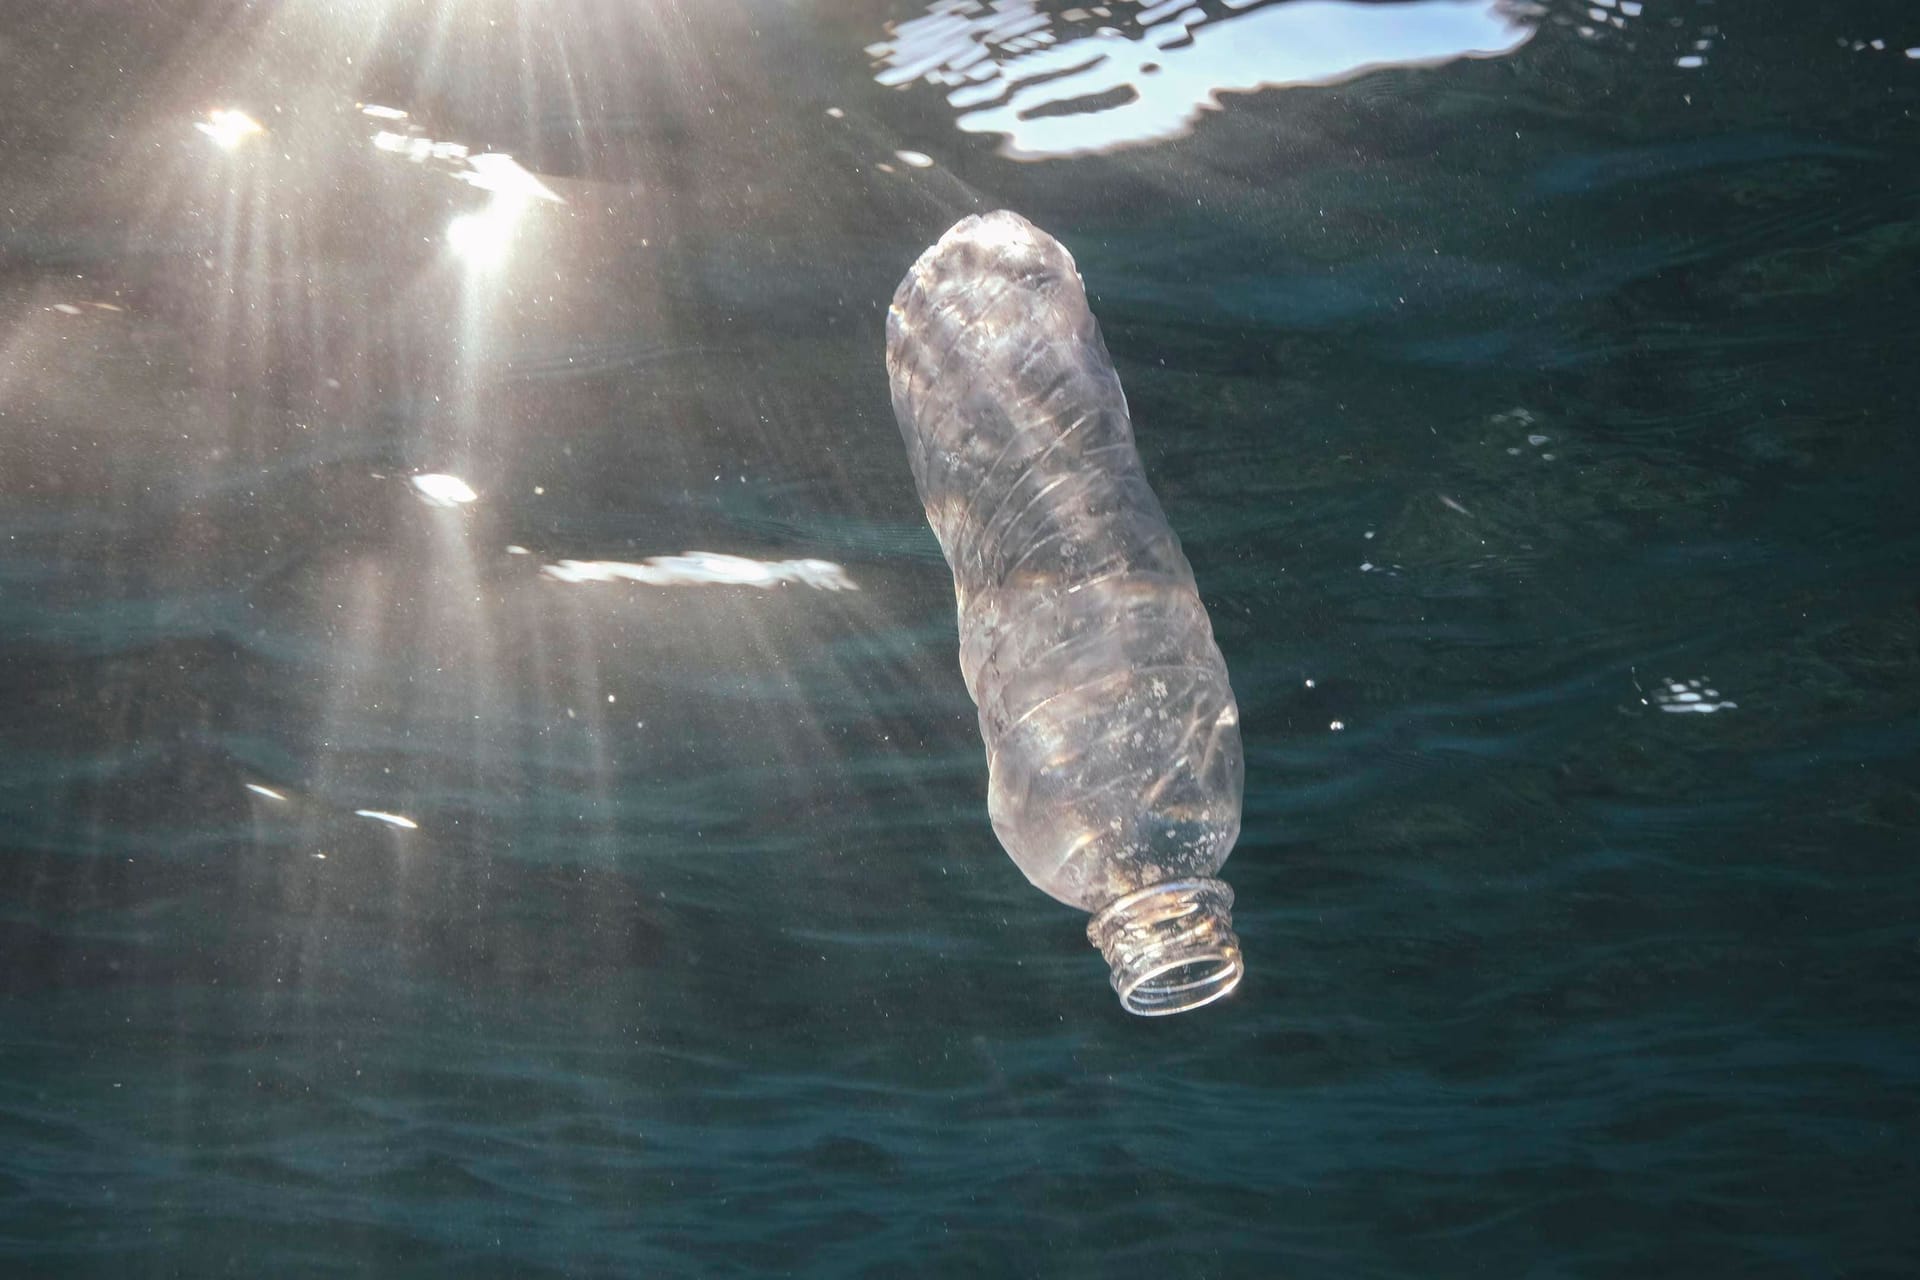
(1171, 946)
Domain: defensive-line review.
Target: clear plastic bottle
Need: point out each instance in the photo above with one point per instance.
(1113, 741)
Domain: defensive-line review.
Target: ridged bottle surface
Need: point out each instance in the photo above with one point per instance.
(1112, 738)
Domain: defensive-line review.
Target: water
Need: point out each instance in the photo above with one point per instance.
(1513, 410)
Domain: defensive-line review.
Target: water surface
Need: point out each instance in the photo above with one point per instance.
(485, 783)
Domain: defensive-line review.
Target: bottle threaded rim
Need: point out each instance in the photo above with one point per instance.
(1171, 946)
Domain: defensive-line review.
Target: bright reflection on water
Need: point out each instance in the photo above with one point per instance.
(1068, 83)
(399, 820)
(705, 568)
(437, 490)
(229, 128)
(482, 238)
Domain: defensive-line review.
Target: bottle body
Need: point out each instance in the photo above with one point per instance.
(1112, 736)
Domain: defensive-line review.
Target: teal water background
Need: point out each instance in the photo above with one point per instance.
(1509, 410)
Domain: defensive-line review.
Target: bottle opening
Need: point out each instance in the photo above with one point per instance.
(1171, 946)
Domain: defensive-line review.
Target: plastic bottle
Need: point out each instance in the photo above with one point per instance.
(1113, 740)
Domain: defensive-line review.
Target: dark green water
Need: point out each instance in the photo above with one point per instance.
(1506, 407)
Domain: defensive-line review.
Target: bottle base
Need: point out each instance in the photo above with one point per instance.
(1171, 946)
